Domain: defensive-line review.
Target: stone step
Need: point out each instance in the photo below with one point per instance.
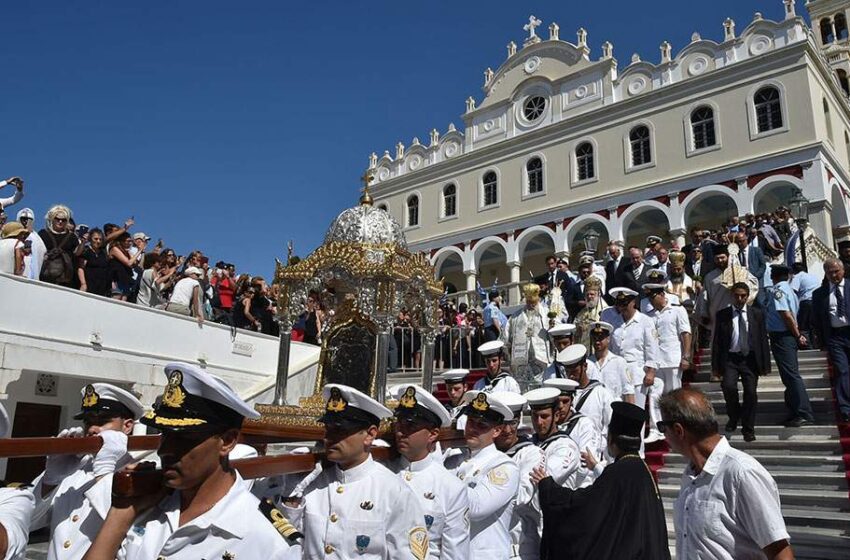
(814, 500)
(774, 392)
(797, 519)
(812, 381)
(778, 460)
(793, 480)
(782, 433)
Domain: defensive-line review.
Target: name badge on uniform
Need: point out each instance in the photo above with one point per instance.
(429, 520)
(362, 542)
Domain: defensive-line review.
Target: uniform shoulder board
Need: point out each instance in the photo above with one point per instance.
(279, 521)
(16, 485)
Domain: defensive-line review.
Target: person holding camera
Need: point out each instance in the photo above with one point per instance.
(16, 182)
(93, 268)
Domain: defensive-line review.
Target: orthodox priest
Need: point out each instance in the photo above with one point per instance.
(527, 339)
(619, 516)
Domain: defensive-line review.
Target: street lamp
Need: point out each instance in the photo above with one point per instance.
(591, 241)
(799, 208)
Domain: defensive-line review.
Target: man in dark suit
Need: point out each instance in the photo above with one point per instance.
(740, 349)
(751, 257)
(831, 323)
(553, 277)
(632, 274)
(614, 259)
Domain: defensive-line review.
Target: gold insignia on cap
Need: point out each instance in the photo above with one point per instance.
(418, 538)
(90, 397)
(336, 403)
(228, 555)
(174, 394)
(498, 476)
(480, 403)
(408, 399)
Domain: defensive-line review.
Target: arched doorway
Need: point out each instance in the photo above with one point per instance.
(709, 211)
(491, 264)
(576, 243)
(840, 215)
(534, 247)
(643, 222)
(449, 267)
(771, 196)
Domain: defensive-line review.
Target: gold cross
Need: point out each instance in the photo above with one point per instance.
(366, 179)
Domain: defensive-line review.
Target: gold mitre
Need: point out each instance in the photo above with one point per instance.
(531, 290)
(592, 283)
(677, 258)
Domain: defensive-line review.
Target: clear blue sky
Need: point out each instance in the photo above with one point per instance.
(234, 127)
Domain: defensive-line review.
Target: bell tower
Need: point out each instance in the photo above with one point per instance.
(829, 24)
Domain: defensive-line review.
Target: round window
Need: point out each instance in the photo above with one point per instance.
(533, 108)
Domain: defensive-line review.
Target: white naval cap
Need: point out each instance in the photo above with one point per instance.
(622, 294)
(492, 347)
(4, 422)
(652, 240)
(586, 259)
(195, 400)
(105, 398)
(564, 386)
(561, 330)
(543, 397)
(486, 405)
(651, 287)
(346, 404)
(598, 327)
(242, 451)
(416, 402)
(573, 354)
(455, 375)
(514, 401)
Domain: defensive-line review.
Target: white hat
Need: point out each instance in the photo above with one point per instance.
(194, 400)
(492, 347)
(514, 401)
(25, 213)
(597, 327)
(4, 422)
(455, 375)
(653, 239)
(622, 293)
(572, 354)
(586, 259)
(193, 270)
(416, 401)
(561, 330)
(648, 287)
(565, 386)
(141, 235)
(347, 404)
(107, 398)
(486, 405)
(543, 397)
(242, 451)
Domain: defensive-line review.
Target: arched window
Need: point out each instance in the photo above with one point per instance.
(534, 174)
(840, 23)
(702, 127)
(828, 120)
(412, 211)
(847, 145)
(768, 109)
(490, 187)
(449, 200)
(584, 161)
(826, 35)
(640, 145)
(842, 81)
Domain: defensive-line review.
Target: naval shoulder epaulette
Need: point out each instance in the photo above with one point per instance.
(16, 485)
(279, 521)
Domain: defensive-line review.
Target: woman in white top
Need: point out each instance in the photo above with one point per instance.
(12, 248)
(186, 296)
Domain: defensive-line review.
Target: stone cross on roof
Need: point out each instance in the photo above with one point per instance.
(531, 27)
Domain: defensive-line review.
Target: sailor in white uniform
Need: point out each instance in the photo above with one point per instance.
(358, 508)
(61, 491)
(561, 336)
(418, 419)
(497, 379)
(674, 335)
(607, 367)
(210, 511)
(455, 380)
(525, 521)
(562, 454)
(16, 506)
(490, 476)
(574, 424)
(636, 340)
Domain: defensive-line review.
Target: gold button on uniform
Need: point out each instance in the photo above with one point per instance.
(75, 518)
(334, 518)
(408, 476)
(66, 544)
(329, 549)
(339, 490)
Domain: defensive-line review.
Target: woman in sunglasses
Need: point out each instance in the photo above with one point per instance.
(62, 246)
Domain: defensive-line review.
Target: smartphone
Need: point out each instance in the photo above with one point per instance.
(205, 260)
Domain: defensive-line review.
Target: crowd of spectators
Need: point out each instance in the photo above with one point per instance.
(119, 263)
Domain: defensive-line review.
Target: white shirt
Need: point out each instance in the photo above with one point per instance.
(611, 371)
(597, 408)
(563, 459)
(492, 482)
(445, 504)
(735, 346)
(501, 383)
(730, 510)
(835, 321)
(182, 293)
(526, 528)
(233, 528)
(363, 512)
(16, 507)
(7, 254)
(635, 340)
(33, 261)
(582, 430)
(670, 323)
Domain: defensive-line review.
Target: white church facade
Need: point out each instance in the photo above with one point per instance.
(563, 143)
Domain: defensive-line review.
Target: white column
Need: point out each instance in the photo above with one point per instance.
(513, 293)
(470, 285)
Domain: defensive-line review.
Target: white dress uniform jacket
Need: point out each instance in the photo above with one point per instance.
(492, 482)
(74, 523)
(526, 527)
(582, 430)
(364, 512)
(234, 529)
(670, 322)
(594, 402)
(611, 372)
(502, 382)
(16, 505)
(563, 459)
(635, 340)
(445, 504)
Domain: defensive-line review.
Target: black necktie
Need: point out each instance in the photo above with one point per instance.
(743, 333)
(741, 258)
(840, 310)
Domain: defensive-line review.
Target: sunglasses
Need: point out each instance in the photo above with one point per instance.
(25, 221)
(663, 425)
(60, 219)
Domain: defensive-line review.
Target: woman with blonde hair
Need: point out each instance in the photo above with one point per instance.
(62, 247)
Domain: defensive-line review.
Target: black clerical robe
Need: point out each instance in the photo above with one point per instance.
(620, 516)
